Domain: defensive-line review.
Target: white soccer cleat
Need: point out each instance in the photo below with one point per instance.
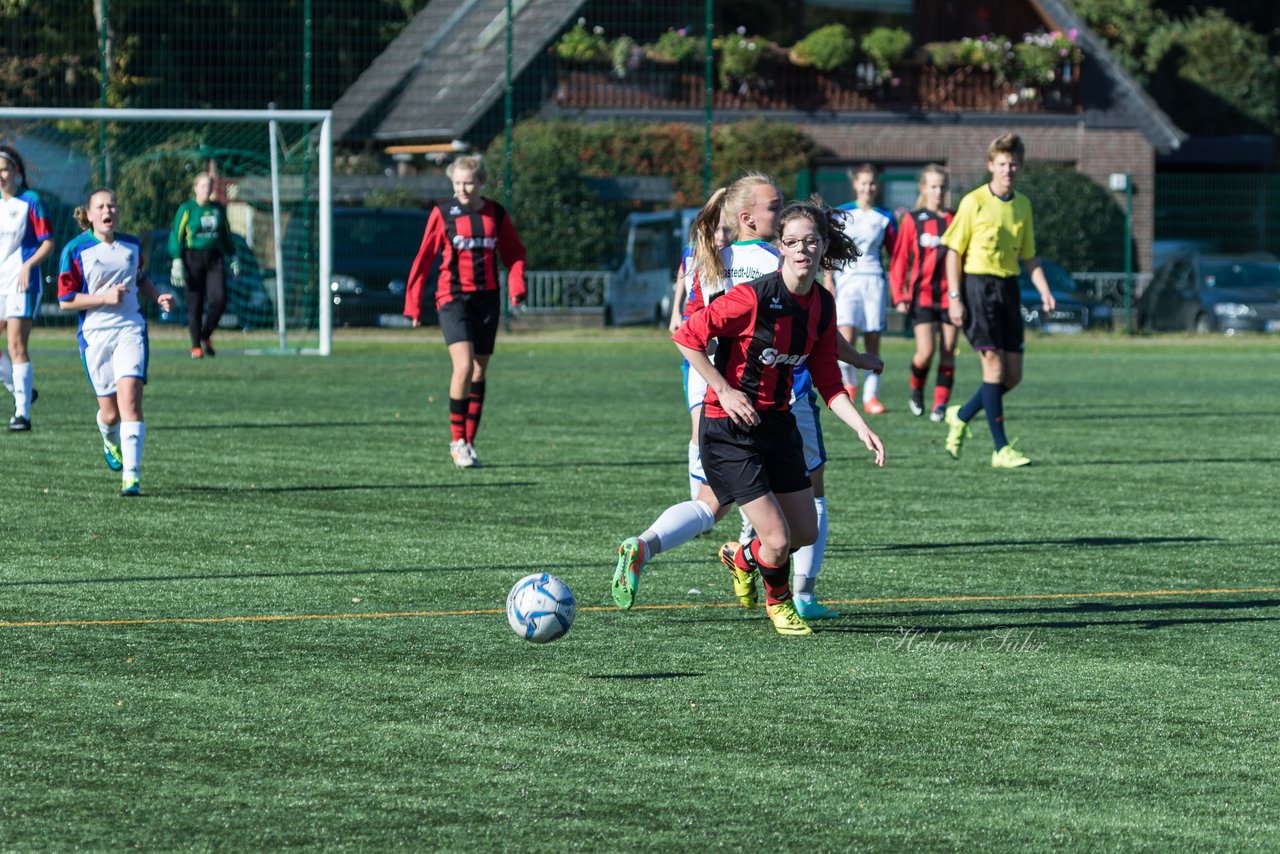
(461, 453)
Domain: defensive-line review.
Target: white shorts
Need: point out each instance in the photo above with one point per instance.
(110, 355)
(860, 301)
(20, 305)
(695, 387)
(805, 409)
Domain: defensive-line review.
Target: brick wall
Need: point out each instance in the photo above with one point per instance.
(962, 148)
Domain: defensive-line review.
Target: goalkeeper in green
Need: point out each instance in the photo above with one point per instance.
(201, 248)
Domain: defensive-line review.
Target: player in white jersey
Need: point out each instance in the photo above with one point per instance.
(860, 288)
(102, 277)
(25, 242)
(685, 302)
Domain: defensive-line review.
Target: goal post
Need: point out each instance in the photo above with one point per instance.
(275, 168)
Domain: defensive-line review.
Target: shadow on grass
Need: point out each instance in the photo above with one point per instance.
(284, 425)
(592, 464)
(648, 676)
(1098, 612)
(1087, 542)
(345, 487)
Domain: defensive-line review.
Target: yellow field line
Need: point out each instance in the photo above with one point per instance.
(280, 618)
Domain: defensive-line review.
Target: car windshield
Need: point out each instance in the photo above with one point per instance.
(1228, 273)
(364, 236)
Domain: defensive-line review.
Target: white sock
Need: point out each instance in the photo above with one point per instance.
(131, 435)
(806, 563)
(6, 371)
(695, 464)
(22, 377)
(677, 525)
(110, 432)
(848, 375)
(871, 386)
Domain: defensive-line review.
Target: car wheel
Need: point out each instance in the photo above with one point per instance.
(1203, 325)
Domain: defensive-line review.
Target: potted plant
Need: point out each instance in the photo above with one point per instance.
(581, 44)
(675, 46)
(825, 49)
(886, 46)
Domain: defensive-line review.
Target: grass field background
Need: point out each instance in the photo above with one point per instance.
(990, 685)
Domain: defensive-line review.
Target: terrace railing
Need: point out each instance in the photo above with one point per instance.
(914, 87)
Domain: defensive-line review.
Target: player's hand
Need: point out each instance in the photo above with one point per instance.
(674, 326)
(955, 311)
(519, 299)
(1048, 301)
(113, 296)
(900, 307)
(178, 273)
(873, 443)
(873, 363)
(738, 407)
(235, 268)
(415, 322)
(24, 278)
(166, 301)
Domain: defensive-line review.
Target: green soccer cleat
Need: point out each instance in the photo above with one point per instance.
(744, 582)
(131, 489)
(787, 620)
(1009, 457)
(957, 431)
(809, 608)
(626, 577)
(112, 454)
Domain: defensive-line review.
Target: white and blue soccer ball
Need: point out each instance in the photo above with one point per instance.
(540, 607)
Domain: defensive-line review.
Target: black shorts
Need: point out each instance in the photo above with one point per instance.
(744, 463)
(993, 313)
(472, 317)
(921, 314)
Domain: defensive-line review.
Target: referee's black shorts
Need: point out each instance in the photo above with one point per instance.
(993, 313)
(472, 317)
(744, 463)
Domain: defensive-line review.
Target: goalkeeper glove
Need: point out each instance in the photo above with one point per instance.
(178, 273)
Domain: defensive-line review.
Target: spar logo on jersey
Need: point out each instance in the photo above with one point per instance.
(771, 356)
(463, 243)
(930, 241)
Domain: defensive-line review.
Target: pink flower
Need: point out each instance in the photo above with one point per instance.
(682, 32)
(1072, 33)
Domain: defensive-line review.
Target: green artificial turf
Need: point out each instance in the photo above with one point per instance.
(990, 685)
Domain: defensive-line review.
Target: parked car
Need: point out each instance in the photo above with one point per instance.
(249, 305)
(1074, 312)
(1207, 293)
(640, 290)
(373, 249)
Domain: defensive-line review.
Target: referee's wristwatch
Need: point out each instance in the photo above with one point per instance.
(953, 294)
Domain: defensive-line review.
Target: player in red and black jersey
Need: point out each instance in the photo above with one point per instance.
(752, 452)
(918, 280)
(472, 231)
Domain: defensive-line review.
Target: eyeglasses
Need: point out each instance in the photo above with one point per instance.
(796, 242)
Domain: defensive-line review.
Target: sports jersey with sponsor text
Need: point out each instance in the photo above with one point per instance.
(472, 243)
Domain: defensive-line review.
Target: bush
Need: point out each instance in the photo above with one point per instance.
(557, 215)
(675, 46)
(886, 46)
(740, 55)
(825, 49)
(580, 44)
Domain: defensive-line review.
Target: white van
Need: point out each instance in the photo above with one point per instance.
(640, 289)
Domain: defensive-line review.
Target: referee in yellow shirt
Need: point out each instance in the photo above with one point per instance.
(992, 229)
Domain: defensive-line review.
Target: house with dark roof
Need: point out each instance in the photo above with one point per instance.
(440, 85)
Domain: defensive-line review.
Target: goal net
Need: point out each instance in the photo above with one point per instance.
(273, 171)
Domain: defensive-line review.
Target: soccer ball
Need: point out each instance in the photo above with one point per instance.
(540, 608)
